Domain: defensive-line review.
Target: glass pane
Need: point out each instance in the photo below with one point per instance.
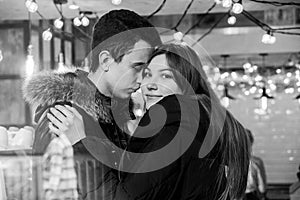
(68, 52)
(80, 52)
(11, 45)
(35, 43)
(12, 105)
(46, 51)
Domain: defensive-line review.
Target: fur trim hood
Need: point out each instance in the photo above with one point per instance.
(46, 88)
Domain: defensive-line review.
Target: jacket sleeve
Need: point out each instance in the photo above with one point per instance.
(43, 135)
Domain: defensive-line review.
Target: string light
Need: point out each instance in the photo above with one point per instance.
(58, 23)
(268, 38)
(31, 5)
(73, 6)
(29, 61)
(263, 110)
(77, 21)
(116, 2)
(218, 1)
(178, 36)
(298, 98)
(237, 7)
(61, 65)
(1, 56)
(226, 3)
(231, 20)
(226, 97)
(47, 35)
(85, 21)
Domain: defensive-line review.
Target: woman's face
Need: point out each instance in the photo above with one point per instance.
(158, 81)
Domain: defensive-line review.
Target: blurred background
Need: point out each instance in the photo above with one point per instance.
(250, 50)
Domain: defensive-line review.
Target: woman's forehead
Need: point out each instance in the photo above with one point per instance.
(159, 62)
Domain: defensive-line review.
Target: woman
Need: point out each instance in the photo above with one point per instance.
(186, 146)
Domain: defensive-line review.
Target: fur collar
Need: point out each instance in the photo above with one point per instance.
(46, 88)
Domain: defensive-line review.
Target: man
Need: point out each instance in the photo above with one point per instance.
(122, 43)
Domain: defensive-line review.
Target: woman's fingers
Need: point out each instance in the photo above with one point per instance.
(54, 129)
(62, 118)
(65, 111)
(74, 111)
(56, 122)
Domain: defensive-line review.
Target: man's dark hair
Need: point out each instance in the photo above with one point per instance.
(118, 31)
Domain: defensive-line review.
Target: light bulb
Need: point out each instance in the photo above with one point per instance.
(218, 1)
(225, 102)
(231, 20)
(73, 6)
(58, 23)
(237, 8)
(47, 35)
(76, 21)
(265, 38)
(85, 21)
(31, 6)
(272, 39)
(178, 36)
(278, 71)
(226, 3)
(29, 65)
(116, 2)
(264, 103)
(247, 65)
(1, 56)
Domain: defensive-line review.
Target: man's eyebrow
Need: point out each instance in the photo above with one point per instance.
(138, 63)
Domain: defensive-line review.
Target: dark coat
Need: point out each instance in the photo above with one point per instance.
(96, 180)
(188, 177)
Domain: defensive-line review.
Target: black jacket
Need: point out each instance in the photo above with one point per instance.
(187, 176)
(96, 180)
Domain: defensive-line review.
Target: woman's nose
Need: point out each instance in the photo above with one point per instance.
(152, 86)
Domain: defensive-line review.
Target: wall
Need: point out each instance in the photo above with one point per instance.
(277, 135)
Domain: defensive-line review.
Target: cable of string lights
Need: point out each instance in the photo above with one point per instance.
(276, 3)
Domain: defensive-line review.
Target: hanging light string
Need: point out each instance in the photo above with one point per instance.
(175, 28)
(66, 33)
(276, 3)
(266, 27)
(210, 30)
(183, 15)
(158, 9)
(200, 20)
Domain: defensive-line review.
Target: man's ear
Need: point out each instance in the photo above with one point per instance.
(105, 59)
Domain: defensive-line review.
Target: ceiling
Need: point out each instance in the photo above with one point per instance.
(15, 9)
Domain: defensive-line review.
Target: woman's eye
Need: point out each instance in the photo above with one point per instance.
(167, 76)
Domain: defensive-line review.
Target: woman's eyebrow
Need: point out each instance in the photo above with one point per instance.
(166, 69)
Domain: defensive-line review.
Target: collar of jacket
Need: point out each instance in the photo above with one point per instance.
(47, 88)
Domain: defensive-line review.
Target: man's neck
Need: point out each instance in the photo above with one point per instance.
(101, 86)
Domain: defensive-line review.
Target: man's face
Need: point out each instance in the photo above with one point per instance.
(125, 77)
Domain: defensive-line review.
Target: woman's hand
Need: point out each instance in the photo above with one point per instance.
(66, 120)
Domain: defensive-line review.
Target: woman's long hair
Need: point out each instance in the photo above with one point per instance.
(234, 150)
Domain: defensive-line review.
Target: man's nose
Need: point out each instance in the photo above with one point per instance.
(140, 77)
